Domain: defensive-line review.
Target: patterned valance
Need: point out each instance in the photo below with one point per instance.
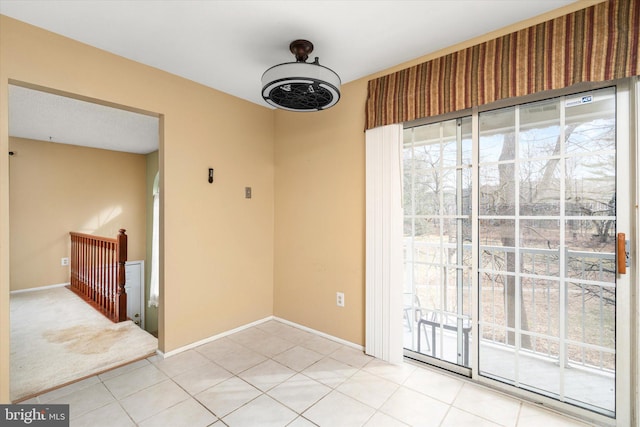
(599, 43)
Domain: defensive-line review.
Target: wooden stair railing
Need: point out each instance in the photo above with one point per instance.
(98, 273)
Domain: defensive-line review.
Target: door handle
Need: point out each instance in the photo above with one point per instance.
(622, 254)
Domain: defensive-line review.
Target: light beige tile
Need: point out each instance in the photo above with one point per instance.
(298, 358)
(336, 385)
(134, 381)
(269, 345)
(532, 416)
(267, 375)
(188, 413)
(123, 369)
(263, 412)
(351, 356)
(301, 422)
(286, 332)
(383, 420)
(330, 372)
(63, 391)
(368, 388)
(274, 327)
(456, 418)
(415, 408)
(86, 399)
(154, 358)
(434, 384)
(337, 410)
(220, 349)
(397, 373)
(153, 400)
(488, 404)
(111, 415)
(180, 363)
(249, 336)
(299, 392)
(202, 377)
(321, 345)
(241, 361)
(227, 396)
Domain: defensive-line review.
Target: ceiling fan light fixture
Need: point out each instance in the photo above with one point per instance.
(301, 85)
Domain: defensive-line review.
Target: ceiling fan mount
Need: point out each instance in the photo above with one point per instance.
(301, 49)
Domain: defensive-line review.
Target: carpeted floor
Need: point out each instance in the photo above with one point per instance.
(56, 338)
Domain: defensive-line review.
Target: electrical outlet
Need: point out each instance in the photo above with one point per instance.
(64, 261)
(340, 299)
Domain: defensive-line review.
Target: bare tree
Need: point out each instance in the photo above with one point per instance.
(541, 192)
(507, 237)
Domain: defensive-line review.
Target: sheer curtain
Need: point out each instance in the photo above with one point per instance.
(154, 285)
(384, 275)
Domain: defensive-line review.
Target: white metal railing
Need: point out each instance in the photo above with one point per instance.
(589, 296)
(589, 291)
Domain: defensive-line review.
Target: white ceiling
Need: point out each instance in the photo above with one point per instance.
(47, 117)
(227, 44)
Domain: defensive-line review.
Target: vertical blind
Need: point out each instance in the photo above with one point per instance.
(599, 43)
(384, 243)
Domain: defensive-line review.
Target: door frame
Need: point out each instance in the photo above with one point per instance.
(625, 212)
(627, 221)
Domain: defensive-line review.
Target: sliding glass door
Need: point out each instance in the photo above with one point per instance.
(547, 224)
(531, 269)
(437, 240)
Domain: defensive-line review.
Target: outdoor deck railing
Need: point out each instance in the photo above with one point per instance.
(581, 321)
(587, 308)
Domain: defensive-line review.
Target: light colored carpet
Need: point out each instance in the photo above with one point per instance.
(57, 338)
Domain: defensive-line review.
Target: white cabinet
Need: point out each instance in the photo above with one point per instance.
(134, 285)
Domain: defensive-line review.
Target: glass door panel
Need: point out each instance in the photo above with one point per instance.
(547, 223)
(437, 240)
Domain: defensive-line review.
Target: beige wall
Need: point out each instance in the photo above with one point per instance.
(58, 188)
(218, 246)
(220, 268)
(320, 205)
(319, 245)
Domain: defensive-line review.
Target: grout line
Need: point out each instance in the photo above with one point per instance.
(399, 384)
(446, 414)
(518, 415)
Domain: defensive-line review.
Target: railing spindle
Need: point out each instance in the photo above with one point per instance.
(102, 266)
(98, 272)
(121, 292)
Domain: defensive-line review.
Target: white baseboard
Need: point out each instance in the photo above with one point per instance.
(41, 288)
(212, 338)
(322, 334)
(250, 325)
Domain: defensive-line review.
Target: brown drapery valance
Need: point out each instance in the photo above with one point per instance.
(599, 43)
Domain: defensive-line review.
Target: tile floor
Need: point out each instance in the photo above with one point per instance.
(586, 385)
(274, 374)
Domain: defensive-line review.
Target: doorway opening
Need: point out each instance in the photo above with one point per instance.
(63, 179)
